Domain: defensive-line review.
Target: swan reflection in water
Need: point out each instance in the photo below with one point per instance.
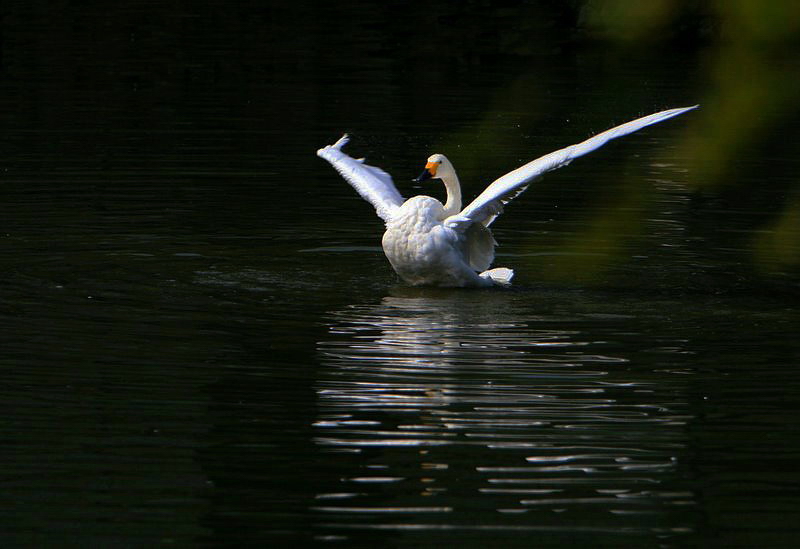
(415, 351)
(448, 402)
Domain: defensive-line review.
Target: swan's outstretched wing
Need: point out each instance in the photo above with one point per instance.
(489, 204)
(373, 184)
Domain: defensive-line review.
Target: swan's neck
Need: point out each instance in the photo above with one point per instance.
(453, 204)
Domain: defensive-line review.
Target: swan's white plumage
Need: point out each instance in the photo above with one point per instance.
(373, 184)
(480, 247)
(428, 244)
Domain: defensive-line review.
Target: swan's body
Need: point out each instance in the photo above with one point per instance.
(434, 244)
(425, 251)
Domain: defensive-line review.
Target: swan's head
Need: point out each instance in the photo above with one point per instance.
(438, 167)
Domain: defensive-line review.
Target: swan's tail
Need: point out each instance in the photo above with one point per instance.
(499, 275)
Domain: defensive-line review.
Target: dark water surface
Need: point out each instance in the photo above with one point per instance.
(204, 345)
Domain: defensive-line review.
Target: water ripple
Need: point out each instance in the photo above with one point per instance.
(451, 397)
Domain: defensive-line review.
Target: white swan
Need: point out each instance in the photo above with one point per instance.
(432, 244)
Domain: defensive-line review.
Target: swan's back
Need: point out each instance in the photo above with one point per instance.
(422, 250)
(417, 212)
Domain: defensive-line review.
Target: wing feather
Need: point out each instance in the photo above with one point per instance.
(489, 204)
(372, 183)
(479, 247)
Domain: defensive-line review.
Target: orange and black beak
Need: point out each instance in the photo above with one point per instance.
(428, 173)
